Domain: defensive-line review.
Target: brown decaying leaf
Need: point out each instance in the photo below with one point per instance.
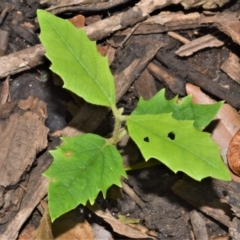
(27, 233)
(117, 226)
(67, 227)
(78, 21)
(44, 230)
(228, 118)
(100, 232)
(228, 125)
(233, 154)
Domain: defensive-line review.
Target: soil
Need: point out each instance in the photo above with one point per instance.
(163, 211)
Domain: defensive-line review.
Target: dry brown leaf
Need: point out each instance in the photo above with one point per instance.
(227, 22)
(27, 233)
(44, 230)
(117, 226)
(100, 233)
(102, 49)
(78, 21)
(69, 226)
(233, 154)
(229, 118)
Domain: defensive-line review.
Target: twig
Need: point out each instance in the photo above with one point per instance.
(178, 37)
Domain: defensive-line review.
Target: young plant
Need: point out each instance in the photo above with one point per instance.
(166, 130)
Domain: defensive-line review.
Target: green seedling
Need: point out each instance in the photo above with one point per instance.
(167, 130)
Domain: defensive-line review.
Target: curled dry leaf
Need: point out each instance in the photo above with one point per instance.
(233, 154)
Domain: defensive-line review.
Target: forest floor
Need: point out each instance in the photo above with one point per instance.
(183, 48)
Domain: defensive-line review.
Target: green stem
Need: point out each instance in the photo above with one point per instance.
(118, 133)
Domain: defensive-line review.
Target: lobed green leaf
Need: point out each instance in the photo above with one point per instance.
(83, 166)
(178, 144)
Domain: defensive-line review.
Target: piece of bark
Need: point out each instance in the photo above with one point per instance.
(33, 56)
(64, 2)
(231, 195)
(199, 227)
(200, 43)
(234, 230)
(74, 5)
(22, 60)
(4, 37)
(4, 94)
(173, 83)
(23, 135)
(227, 22)
(146, 52)
(229, 192)
(191, 75)
(231, 67)
(145, 85)
(206, 4)
(79, 6)
(36, 189)
(130, 17)
(166, 21)
(203, 197)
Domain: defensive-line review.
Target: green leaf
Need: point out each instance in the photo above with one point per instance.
(75, 58)
(83, 166)
(177, 144)
(201, 114)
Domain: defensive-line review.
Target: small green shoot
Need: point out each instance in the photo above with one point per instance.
(168, 131)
